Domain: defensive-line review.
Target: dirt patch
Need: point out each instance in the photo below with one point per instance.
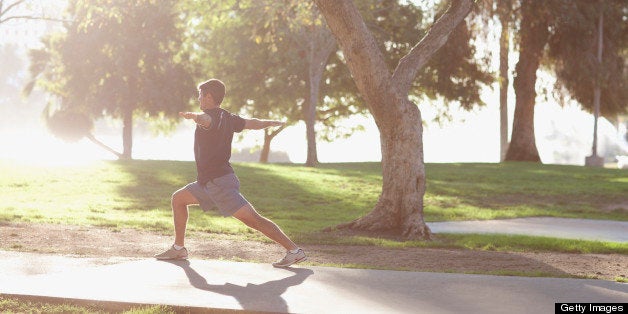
(618, 207)
(101, 242)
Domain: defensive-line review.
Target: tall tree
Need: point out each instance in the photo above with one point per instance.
(506, 13)
(534, 34)
(310, 32)
(569, 29)
(117, 59)
(400, 205)
(504, 10)
(297, 26)
(573, 54)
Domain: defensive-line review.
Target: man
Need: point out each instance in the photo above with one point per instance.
(217, 185)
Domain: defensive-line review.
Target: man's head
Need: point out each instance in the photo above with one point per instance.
(213, 91)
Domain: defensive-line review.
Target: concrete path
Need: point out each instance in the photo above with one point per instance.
(585, 229)
(305, 289)
(259, 287)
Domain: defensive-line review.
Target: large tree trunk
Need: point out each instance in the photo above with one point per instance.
(534, 36)
(400, 205)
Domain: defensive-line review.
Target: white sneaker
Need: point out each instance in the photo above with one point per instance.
(172, 253)
(291, 258)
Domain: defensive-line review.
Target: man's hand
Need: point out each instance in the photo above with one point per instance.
(201, 118)
(188, 115)
(275, 123)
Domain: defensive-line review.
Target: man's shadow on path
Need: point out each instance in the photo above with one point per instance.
(265, 296)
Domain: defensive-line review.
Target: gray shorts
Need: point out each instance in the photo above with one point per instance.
(222, 192)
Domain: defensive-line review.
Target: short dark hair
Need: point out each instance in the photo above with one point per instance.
(215, 87)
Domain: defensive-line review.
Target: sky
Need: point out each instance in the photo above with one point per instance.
(563, 134)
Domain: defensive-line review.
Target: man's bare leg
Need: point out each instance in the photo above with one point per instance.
(180, 201)
(249, 216)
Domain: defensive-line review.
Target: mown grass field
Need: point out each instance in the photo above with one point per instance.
(18, 305)
(304, 201)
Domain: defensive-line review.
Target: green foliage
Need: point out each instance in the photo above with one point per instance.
(115, 59)
(266, 46)
(68, 125)
(15, 305)
(573, 53)
(20, 305)
(454, 73)
(572, 47)
(232, 44)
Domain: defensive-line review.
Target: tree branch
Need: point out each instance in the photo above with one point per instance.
(4, 11)
(359, 49)
(277, 131)
(26, 17)
(102, 145)
(11, 6)
(435, 38)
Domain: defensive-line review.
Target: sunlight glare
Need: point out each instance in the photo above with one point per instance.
(43, 149)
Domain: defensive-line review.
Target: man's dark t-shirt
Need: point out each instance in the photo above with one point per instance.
(212, 146)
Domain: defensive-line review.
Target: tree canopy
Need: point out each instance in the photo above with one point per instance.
(268, 54)
(274, 54)
(115, 59)
(573, 53)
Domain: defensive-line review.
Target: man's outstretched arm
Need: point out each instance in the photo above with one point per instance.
(258, 124)
(200, 118)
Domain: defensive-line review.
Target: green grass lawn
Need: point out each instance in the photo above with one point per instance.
(24, 305)
(302, 200)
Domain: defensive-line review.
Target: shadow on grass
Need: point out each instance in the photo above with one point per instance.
(305, 199)
(152, 182)
(568, 191)
(300, 205)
